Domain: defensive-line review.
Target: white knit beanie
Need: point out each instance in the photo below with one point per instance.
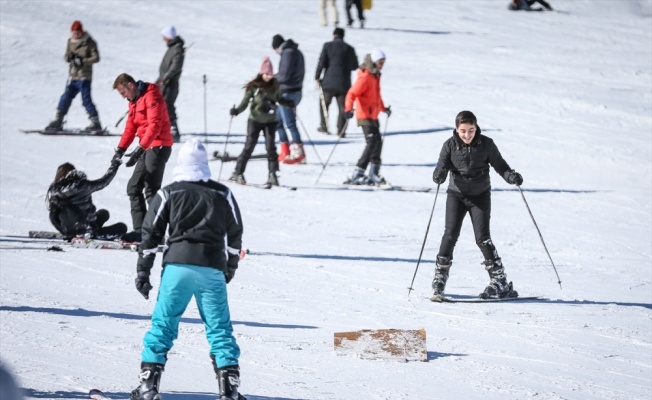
(169, 32)
(192, 163)
(377, 55)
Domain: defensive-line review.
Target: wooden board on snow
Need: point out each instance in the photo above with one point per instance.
(383, 344)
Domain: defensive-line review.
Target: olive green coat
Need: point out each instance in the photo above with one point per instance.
(263, 104)
(86, 49)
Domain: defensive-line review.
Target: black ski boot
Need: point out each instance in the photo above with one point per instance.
(56, 124)
(374, 175)
(441, 276)
(237, 177)
(174, 130)
(150, 377)
(272, 179)
(498, 286)
(229, 380)
(95, 124)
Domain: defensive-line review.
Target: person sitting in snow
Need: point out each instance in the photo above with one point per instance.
(526, 5)
(69, 200)
(467, 155)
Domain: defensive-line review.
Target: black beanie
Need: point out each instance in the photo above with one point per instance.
(339, 32)
(277, 41)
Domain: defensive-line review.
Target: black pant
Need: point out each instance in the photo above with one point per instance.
(341, 119)
(170, 93)
(253, 132)
(358, 5)
(146, 181)
(457, 205)
(101, 217)
(374, 146)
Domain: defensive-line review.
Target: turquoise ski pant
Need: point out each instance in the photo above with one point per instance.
(179, 282)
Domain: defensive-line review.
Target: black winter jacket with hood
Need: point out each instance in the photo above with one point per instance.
(469, 164)
(291, 68)
(338, 59)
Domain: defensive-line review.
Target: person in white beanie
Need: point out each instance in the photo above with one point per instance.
(365, 95)
(169, 73)
(202, 252)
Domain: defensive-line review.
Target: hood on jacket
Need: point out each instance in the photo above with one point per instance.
(289, 44)
(460, 143)
(176, 41)
(62, 189)
(368, 65)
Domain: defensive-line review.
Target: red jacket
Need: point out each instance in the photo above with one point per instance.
(148, 119)
(366, 92)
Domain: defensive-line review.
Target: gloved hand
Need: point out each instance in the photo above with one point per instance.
(78, 61)
(348, 114)
(233, 112)
(115, 164)
(229, 274)
(514, 178)
(145, 263)
(70, 56)
(135, 156)
(388, 111)
(117, 156)
(439, 176)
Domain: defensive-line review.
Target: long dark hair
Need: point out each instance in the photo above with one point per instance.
(63, 170)
(259, 83)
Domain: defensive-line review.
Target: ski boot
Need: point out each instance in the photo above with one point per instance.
(441, 276)
(498, 286)
(375, 178)
(174, 130)
(150, 377)
(228, 379)
(272, 179)
(237, 177)
(357, 178)
(56, 124)
(297, 155)
(95, 124)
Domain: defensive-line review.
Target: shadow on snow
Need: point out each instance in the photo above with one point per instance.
(38, 394)
(337, 257)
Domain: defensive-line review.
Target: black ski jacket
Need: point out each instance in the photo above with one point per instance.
(205, 227)
(71, 205)
(291, 68)
(468, 164)
(338, 59)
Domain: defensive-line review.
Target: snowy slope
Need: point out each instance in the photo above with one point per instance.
(567, 96)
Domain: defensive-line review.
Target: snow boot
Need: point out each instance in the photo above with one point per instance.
(229, 380)
(357, 178)
(134, 236)
(374, 177)
(237, 177)
(285, 151)
(441, 276)
(498, 286)
(150, 377)
(95, 124)
(272, 179)
(297, 156)
(57, 123)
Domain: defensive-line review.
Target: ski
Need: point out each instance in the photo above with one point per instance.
(70, 132)
(226, 157)
(265, 186)
(96, 394)
(446, 299)
(83, 243)
(380, 188)
(45, 235)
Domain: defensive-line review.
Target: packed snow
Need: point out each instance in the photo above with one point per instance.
(566, 96)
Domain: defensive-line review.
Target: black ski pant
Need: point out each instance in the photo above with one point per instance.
(358, 5)
(374, 145)
(479, 207)
(341, 119)
(170, 93)
(101, 217)
(253, 133)
(146, 181)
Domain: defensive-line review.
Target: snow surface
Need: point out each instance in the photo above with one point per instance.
(566, 95)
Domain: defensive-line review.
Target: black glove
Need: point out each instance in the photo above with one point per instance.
(135, 156)
(145, 263)
(117, 156)
(229, 274)
(514, 178)
(439, 176)
(233, 112)
(70, 56)
(348, 114)
(78, 61)
(388, 111)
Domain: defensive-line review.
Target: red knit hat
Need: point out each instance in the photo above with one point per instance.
(76, 26)
(266, 67)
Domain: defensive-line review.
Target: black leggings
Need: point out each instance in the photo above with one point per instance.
(253, 132)
(374, 146)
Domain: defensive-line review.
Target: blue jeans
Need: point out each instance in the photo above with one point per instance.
(288, 117)
(74, 87)
(179, 282)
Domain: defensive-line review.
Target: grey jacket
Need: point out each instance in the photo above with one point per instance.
(86, 49)
(172, 62)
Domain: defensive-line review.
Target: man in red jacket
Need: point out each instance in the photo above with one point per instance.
(148, 119)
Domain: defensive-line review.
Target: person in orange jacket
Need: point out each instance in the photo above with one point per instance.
(365, 93)
(148, 119)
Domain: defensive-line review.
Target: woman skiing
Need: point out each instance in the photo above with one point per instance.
(69, 200)
(263, 92)
(467, 156)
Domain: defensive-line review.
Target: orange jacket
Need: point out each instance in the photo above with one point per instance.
(365, 92)
(148, 119)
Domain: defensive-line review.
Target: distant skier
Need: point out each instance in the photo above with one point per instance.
(204, 225)
(261, 95)
(526, 5)
(81, 53)
(365, 95)
(291, 70)
(467, 156)
(169, 74)
(358, 6)
(322, 12)
(70, 203)
(337, 61)
(147, 119)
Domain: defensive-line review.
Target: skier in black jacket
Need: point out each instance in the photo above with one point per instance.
(337, 61)
(70, 202)
(204, 226)
(467, 156)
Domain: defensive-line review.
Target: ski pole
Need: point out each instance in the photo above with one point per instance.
(219, 175)
(424, 241)
(324, 107)
(309, 139)
(205, 134)
(121, 118)
(541, 237)
(385, 129)
(339, 137)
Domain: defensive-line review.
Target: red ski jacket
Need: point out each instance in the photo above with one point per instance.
(366, 91)
(148, 119)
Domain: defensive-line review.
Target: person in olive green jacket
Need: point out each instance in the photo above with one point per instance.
(263, 93)
(81, 54)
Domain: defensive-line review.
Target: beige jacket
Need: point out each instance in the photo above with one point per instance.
(86, 49)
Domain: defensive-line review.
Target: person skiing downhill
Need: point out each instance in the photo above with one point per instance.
(205, 229)
(262, 94)
(467, 156)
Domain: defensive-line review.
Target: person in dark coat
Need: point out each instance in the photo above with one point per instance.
(358, 6)
(526, 5)
(70, 203)
(169, 74)
(467, 156)
(337, 61)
